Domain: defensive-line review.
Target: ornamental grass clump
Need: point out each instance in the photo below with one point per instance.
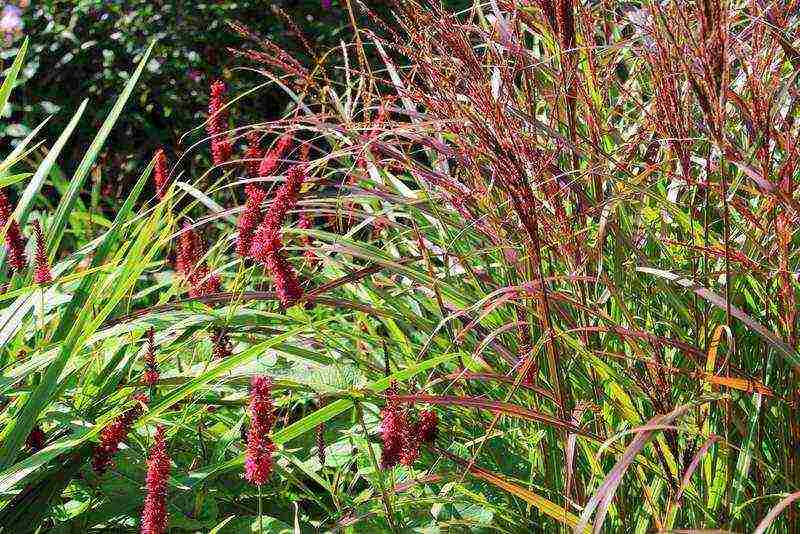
(567, 229)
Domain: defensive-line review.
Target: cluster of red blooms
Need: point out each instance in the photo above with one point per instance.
(270, 162)
(267, 246)
(41, 272)
(250, 219)
(160, 172)
(258, 457)
(401, 436)
(221, 148)
(253, 215)
(154, 514)
(114, 434)
(202, 281)
(151, 373)
(253, 155)
(15, 243)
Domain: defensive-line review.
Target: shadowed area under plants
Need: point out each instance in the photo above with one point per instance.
(528, 267)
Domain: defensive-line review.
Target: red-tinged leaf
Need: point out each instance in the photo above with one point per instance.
(601, 499)
(693, 465)
(498, 378)
(719, 302)
(493, 406)
(775, 512)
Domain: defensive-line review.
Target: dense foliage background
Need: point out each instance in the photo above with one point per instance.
(88, 49)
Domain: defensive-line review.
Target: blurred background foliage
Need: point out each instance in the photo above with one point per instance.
(88, 48)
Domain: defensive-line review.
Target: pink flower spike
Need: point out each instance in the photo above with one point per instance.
(41, 273)
(154, 514)
(260, 448)
(111, 437)
(160, 172)
(271, 159)
(221, 149)
(15, 243)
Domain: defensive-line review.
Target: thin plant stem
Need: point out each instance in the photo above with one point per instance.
(384, 495)
(260, 512)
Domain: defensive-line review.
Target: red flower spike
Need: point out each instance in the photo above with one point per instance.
(160, 172)
(189, 252)
(114, 434)
(203, 283)
(41, 273)
(188, 248)
(287, 286)
(267, 239)
(250, 218)
(427, 428)
(15, 243)
(151, 374)
(254, 154)
(393, 430)
(260, 448)
(272, 158)
(36, 439)
(221, 148)
(267, 245)
(154, 514)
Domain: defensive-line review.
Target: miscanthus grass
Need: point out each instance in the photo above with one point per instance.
(529, 266)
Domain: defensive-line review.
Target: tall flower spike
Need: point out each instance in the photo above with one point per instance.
(15, 243)
(260, 448)
(202, 281)
(272, 158)
(221, 148)
(41, 273)
(188, 253)
(254, 154)
(154, 514)
(428, 426)
(267, 238)
(151, 374)
(250, 218)
(267, 245)
(160, 172)
(287, 286)
(393, 430)
(114, 434)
